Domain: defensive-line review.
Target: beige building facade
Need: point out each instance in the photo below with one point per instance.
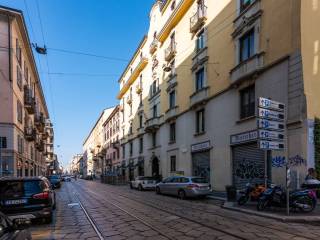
(23, 110)
(189, 96)
(93, 152)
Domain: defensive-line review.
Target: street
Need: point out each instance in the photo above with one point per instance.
(91, 210)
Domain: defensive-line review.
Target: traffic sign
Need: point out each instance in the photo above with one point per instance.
(271, 145)
(270, 125)
(270, 114)
(270, 135)
(270, 104)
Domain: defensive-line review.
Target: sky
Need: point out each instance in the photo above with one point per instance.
(78, 87)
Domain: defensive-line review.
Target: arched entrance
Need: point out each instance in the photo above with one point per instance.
(155, 167)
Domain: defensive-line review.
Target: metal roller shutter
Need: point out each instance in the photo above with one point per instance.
(201, 164)
(248, 165)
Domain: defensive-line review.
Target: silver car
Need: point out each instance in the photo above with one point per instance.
(143, 183)
(183, 187)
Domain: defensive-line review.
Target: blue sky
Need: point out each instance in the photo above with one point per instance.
(87, 85)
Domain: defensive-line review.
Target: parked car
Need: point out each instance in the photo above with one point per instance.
(29, 197)
(15, 230)
(55, 181)
(183, 187)
(143, 183)
(66, 179)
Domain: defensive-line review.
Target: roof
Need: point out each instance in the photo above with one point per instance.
(19, 14)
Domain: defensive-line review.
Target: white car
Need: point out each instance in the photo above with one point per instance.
(143, 183)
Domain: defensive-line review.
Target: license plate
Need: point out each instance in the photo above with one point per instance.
(15, 202)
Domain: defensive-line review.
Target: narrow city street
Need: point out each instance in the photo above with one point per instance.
(91, 210)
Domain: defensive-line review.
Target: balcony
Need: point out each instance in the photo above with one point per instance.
(171, 113)
(199, 97)
(30, 134)
(129, 99)
(40, 145)
(29, 102)
(115, 145)
(152, 124)
(39, 121)
(140, 131)
(123, 140)
(198, 19)
(153, 46)
(170, 51)
(171, 82)
(246, 68)
(139, 88)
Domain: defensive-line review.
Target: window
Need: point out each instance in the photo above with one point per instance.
(123, 151)
(154, 139)
(154, 88)
(130, 129)
(173, 68)
(3, 142)
(244, 4)
(20, 144)
(247, 102)
(173, 163)
(200, 79)
(140, 121)
(246, 43)
(172, 134)
(141, 145)
(19, 78)
(31, 153)
(19, 111)
(200, 42)
(154, 111)
(172, 99)
(131, 148)
(18, 51)
(173, 5)
(200, 121)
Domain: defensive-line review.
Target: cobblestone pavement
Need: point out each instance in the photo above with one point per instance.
(120, 213)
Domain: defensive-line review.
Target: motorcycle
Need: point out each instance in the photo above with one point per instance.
(250, 192)
(303, 200)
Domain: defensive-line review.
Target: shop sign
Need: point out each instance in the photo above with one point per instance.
(244, 137)
(200, 146)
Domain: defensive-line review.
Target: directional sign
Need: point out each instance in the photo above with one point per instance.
(270, 125)
(270, 104)
(271, 145)
(270, 114)
(270, 135)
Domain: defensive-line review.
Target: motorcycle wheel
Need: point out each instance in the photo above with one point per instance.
(243, 200)
(262, 204)
(307, 204)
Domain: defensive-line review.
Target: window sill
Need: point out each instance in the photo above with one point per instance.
(199, 133)
(172, 142)
(245, 119)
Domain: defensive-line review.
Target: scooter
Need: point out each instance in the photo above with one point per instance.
(250, 192)
(303, 200)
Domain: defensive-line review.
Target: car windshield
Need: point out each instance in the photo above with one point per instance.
(147, 178)
(17, 189)
(199, 180)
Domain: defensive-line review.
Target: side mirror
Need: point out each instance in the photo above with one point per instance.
(21, 223)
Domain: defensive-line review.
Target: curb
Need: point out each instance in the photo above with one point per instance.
(293, 219)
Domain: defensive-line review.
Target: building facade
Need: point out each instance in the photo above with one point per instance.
(111, 144)
(23, 107)
(76, 164)
(189, 96)
(93, 153)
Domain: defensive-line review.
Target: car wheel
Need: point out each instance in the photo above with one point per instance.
(182, 194)
(158, 190)
(48, 219)
(140, 188)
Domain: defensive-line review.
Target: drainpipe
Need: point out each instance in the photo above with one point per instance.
(9, 52)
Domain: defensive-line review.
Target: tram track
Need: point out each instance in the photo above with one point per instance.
(147, 202)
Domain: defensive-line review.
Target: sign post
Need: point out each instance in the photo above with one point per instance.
(271, 126)
(0, 157)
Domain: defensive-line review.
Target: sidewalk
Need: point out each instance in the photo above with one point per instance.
(273, 213)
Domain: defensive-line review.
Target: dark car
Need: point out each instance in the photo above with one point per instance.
(55, 181)
(30, 198)
(14, 230)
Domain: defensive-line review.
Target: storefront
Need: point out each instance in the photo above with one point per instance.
(249, 163)
(201, 159)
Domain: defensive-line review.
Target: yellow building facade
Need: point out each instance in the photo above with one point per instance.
(189, 96)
